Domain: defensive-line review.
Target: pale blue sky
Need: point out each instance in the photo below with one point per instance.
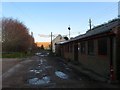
(44, 18)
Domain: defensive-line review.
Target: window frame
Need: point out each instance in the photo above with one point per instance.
(83, 47)
(91, 47)
(100, 46)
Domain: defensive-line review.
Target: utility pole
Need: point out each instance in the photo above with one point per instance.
(90, 23)
(51, 41)
(32, 34)
(69, 31)
(31, 42)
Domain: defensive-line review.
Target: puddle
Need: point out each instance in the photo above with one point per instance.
(48, 67)
(42, 55)
(61, 75)
(68, 68)
(36, 71)
(46, 79)
(31, 70)
(41, 61)
(36, 81)
(37, 53)
(39, 64)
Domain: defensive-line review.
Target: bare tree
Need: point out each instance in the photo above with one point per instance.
(15, 36)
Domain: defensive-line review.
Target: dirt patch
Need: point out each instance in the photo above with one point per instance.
(9, 63)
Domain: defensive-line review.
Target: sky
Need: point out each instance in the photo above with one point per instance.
(55, 17)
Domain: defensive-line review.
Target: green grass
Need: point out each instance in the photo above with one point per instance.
(15, 55)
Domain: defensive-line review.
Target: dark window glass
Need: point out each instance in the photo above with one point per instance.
(102, 46)
(83, 47)
(90, 47)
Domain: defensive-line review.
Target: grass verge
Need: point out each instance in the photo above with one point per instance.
(16, 55)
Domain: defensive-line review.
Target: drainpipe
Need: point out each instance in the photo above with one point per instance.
(112, 73)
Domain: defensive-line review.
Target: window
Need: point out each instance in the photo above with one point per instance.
(102, 46)
(83, 47)
(90, 47)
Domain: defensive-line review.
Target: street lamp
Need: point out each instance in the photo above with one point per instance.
(69, 31)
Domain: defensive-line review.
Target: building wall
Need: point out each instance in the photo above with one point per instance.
(59, 38)
(114, 57)
(96, 63)
(58, 49)
(67, 54)
(99, 64)
(118, 52)
(71, 52)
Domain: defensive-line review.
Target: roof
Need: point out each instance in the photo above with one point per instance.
(62, 42)
(103, 28)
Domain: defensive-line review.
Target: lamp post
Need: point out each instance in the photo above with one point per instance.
(69, 31)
